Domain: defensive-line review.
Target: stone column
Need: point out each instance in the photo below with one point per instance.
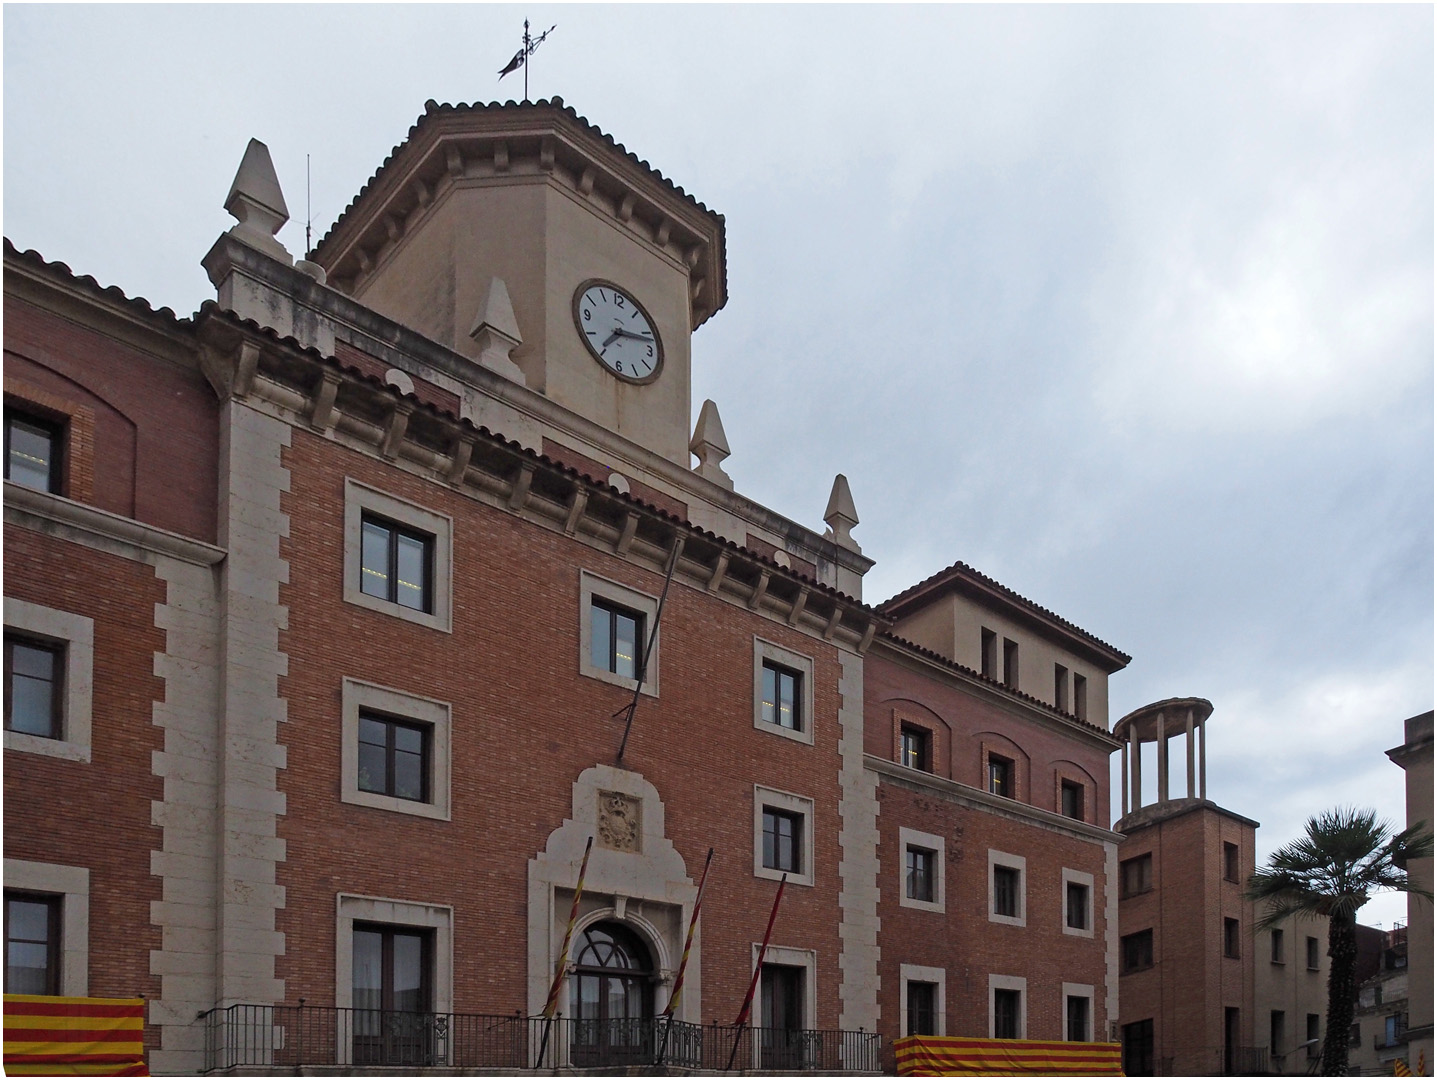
(1137, 755)
(1125, 779)
(1162, 759)
(1202, 760)
(1191, 764)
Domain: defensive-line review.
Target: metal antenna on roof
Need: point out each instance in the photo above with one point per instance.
(308, 209)
(521, 58)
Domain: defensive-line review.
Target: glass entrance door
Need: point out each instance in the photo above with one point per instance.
(393, 1024)
(612, 998)
(781, 1017)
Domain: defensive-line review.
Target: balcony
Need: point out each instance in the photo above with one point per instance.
(286, 1038)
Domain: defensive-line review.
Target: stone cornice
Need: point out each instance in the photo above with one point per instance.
(978, 799)
(60, 517)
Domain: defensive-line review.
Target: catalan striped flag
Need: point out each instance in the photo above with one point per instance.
(1399, 1068)
(74, 1036)
(551, 1006)
(931, 1055)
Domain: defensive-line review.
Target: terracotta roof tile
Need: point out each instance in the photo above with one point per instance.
(137, 304)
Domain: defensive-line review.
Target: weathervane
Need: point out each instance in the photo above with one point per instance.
(521, 57)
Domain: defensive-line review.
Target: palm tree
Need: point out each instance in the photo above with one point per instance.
(1346, 855)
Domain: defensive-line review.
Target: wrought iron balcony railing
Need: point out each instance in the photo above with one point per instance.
(282, 1037)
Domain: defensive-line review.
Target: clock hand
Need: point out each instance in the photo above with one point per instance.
(630, 334)
(611, 339)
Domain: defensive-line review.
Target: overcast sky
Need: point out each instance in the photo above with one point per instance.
(1130, 308)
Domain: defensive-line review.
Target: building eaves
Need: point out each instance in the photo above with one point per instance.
(136, 306)
(211, 310)
(958, 574)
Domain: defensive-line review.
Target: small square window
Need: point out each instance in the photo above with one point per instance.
(988, 644)
(616, 639)
(34, 686)
(1230, 868)
(922, 1008)
(1060, 687)
(1137, 951)
(1231, 938)
(32, 943)
(1010, 664)
(1313, 954)
(393, 757)
(919, 880)
(1007, 1014)
(1080, 696)
(1006, 883)
(915, 748)
(1137, 875)
(397, 564)
(1278, 948)
(782, 696)
(1000, 776)
(32, 452)
(920, 872)
(397, 557)
(396, 749)
(1079, 1018)
(1077, 900)
(1077, 914)
(1072, 793)
(782, 840)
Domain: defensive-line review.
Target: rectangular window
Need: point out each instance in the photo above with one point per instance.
(914, 748)
(32, 944)
(1072, 800)
(32, 452)
(920, 874)
(1010, 664)
(1007, 1014)
(782, 840)
(1007, 883)
(617, 635)
(1138, 1048)
(1354, 1037)
(1137, 951)
(782, 696)
(34, 678)
(781, 1016)
(1314, 1032)
(393, 992)
(1231, 938)
(922, 1008)
(989, 655)
(1276, 1032)
(1279, 948)
(393, 757)
(397, 564)
(1080, 696)
(1312, 954)
(1137, 875)
(1060, 687)
(1077, 903)
(1000, 776)
(1079, 1009)
(1230, 870)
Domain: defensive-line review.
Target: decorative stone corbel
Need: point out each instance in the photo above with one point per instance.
(631, 526)
(459, 463)
(841, 515)
(322, 410)
(798, 605)
(520, 495)
(394, 429)
(720, 569)
(257, 203)
(576, 510)
(710, 446)
(760, 589)
(496, 332)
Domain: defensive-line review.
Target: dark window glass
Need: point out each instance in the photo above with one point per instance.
(1007, 885)
(1276, 1032)
(1354, 1038)
(1314, 1029)
(781, 1013)
(1007, 1012)
(611, 995)
(782, 700)
(392, 996)
(1231, 938)
(1137, 950)
(1060, 687)
(1230, 871)
(396, 564)
(1137, 875)
(1010, 664)
(782, 840)
(1077, 906)
(1278, 956)
(914, 748)
(1073, 800)
(1080, 696)
(920, 874)
(922, 1008)
(616, 636)
(393, 757)
(1138, 1048)
(1000, 776)
(34, 673)
(32, 452)
(1312, 954)
(1078, 1008)
(989, 653)
(32, 944)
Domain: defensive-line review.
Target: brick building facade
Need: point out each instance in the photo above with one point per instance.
(325, 608)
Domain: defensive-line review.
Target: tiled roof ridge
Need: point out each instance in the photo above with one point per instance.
(929, 654)
(212, 309)
(137, 304)
(434, 108)
(962, 567)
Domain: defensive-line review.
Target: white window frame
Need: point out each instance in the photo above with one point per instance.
(1078, 990)
(1076, 877)
(356, 696)
(1008, 982)
(77, 634)
(350, 909)
(908, 973)
(908, 838)
(793, 804)
(591, 586)
(777, 654)
(799, 958)
(360, 499)
(1019, 863)
(72, 885)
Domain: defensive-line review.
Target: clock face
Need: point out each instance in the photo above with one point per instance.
(618, 331)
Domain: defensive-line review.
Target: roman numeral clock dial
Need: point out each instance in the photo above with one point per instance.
(618, 332)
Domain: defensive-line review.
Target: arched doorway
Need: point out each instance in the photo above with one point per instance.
(612, 997)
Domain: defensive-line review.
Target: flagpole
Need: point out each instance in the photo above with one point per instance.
(527, 53)
(757, 970)
(552, 1004)
(684, 962)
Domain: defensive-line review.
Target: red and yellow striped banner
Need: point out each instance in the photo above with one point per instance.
(551, 1006)
(931, 1055)
(74, 1036)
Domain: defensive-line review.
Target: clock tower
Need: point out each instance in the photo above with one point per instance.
(522, 237)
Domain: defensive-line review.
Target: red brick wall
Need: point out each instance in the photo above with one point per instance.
(156, 447)
(525, 724)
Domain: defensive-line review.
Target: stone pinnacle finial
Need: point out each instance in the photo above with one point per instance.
(257, 202)
(710, 446)
(841, 515)
(497, 332)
